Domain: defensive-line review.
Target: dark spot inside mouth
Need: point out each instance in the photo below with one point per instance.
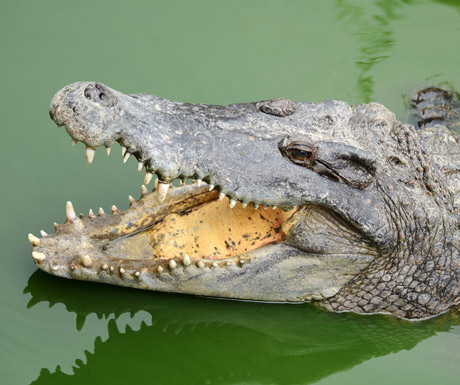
(102, 96)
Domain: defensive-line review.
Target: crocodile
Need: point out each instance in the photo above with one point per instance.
(275, 200)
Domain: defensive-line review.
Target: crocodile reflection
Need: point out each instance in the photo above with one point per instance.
(221, 341)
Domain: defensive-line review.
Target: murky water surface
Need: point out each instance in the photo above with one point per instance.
(54, 331)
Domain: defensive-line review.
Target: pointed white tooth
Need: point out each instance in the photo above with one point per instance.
(131, 200)
(221, 196)
(147, 178)
(273, 207)
(244, 205)
(112, 269)
(144, 190)
(39, 257)
(228, 263)
(242, 261)
(232, 203)
(90, 154)
(172, 263)
(162, 191)
(214, 264)
(123, 150)
(266, 207)
(155, 184)
(101, 211)
(104, 266)
(137, 273)
(74, 141)
(56, 267)
(91, 213)
(256, 206)
(86, 261)
(33, 239)
(199, 182)
(121, 270)
(127, 155)
(211, 187)
(70, 212)
(159, 269)
(200, 264)
(107, 150)
(43, 233)
(186, 260)
(140, 166)
(114, 209)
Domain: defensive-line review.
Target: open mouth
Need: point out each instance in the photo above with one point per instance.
(182, 223)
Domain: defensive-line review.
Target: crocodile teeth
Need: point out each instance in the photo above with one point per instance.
(90, 154)
(33, 239)
(122, 271)
(172, 264)
(159, 269)
(232, 203)
(43, 233)
(200, 264)
(140, 166)
(70, 212)
(211, 187)
(131, 200)
(199, 182)
(39, 257)
(155, 184)
(123, 150)
(186, 260)
(91, 213)
(147, 178)
(162, 191)
(221, 196)
(137, 273)
(114, 209)
(144, 190)
(127, 155)
(86, 261)
(273, 207)
(266, 207)
(104, 266)
(244, 205)
(107, 150)
(256, 206)
(101, 211)
(74, 142)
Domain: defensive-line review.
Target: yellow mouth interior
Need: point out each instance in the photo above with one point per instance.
(216, 231)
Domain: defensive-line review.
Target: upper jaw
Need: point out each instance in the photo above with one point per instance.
(175, 140)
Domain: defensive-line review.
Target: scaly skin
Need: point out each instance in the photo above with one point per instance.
(369, 206)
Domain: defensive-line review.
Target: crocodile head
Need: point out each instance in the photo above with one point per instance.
(289, 202)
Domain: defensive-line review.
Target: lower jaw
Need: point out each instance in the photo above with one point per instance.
(272, 271)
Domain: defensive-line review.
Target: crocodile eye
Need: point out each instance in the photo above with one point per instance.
(299, 152)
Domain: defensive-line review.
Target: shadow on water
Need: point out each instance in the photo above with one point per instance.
(375, 37)
(213, 341)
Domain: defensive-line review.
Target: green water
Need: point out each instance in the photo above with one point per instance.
(54, 331)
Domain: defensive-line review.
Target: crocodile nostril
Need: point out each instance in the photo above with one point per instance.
(99, 94)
